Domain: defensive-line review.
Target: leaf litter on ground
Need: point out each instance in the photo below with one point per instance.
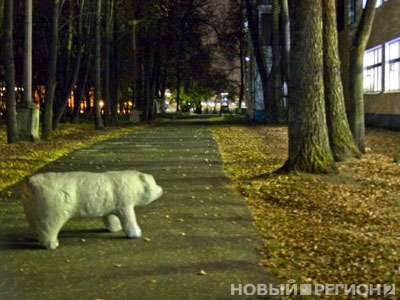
(334, 228)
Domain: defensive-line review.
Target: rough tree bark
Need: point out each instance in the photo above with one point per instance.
(12, 128)
(258, 53)
(51, 74)
(99, 124)
(309, 149)
(356, 101)
(341, 140)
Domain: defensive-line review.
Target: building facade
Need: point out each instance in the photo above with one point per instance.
(381, 59)
(254, 91)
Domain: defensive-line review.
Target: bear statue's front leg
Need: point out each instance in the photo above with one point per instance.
(112, 223)
(47, 230)
(128, 221)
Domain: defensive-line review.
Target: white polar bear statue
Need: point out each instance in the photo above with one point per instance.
(51, 199)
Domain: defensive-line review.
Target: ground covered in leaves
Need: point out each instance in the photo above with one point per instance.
(23, 158)
(335, 228)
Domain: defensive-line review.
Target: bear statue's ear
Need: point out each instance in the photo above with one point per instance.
(144, 180)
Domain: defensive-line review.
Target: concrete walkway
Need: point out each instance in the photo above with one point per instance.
(200, 223)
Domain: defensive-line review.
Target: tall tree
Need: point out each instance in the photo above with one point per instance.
(285, 21)
(257, 49)
(72, 79)
(114, 69)
(29, 113)
(27, 69)
(147, 74)
(99, 124)
(107, 50)
(356, 101)
(135, 63)
(231, 40)
(1, 17)
(12, 128)
(86, 66)
(241, 53)
(309, 149)
(341, 140)
(51, 73)
(277, 114)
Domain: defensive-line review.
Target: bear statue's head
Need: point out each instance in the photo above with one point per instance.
(151, 190)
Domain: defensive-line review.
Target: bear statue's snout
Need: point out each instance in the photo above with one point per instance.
(158, 193)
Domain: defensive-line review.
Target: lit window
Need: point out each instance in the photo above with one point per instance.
(378, 3)
(373, 70)
(392, 65)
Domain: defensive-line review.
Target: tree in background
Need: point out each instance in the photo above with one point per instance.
(8, 26)
(99, 124)
(51, 72)
(341, 140)
(170, 49)
(277, 114)
(285, 33)
(231, 39)
(356, 101)
(71, 77)
(258, 53)
(1, 16)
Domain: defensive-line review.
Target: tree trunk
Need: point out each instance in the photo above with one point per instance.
(85, 69)
(135, 66)
(147, 75)
(285, 21)
(178, 75)
(1, 17)
(99, 124)
(241, 87)
(75, 74)
(114, 55)
(308, 134)
(51, 74)
(257, 49)
(27, 69)
(277, 103)
(356, 101)
(107, 96)
(12, 128)
(241, 55)
(340, 138)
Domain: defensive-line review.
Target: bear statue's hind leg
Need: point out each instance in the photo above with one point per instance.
(112, 223)
(47, 231)
(129, 223)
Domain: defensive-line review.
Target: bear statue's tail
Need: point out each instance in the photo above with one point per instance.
(27, 195)
(26, 191)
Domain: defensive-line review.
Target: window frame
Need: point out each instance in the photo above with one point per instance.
(379, 3)
(380, 72)
(388, 63)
